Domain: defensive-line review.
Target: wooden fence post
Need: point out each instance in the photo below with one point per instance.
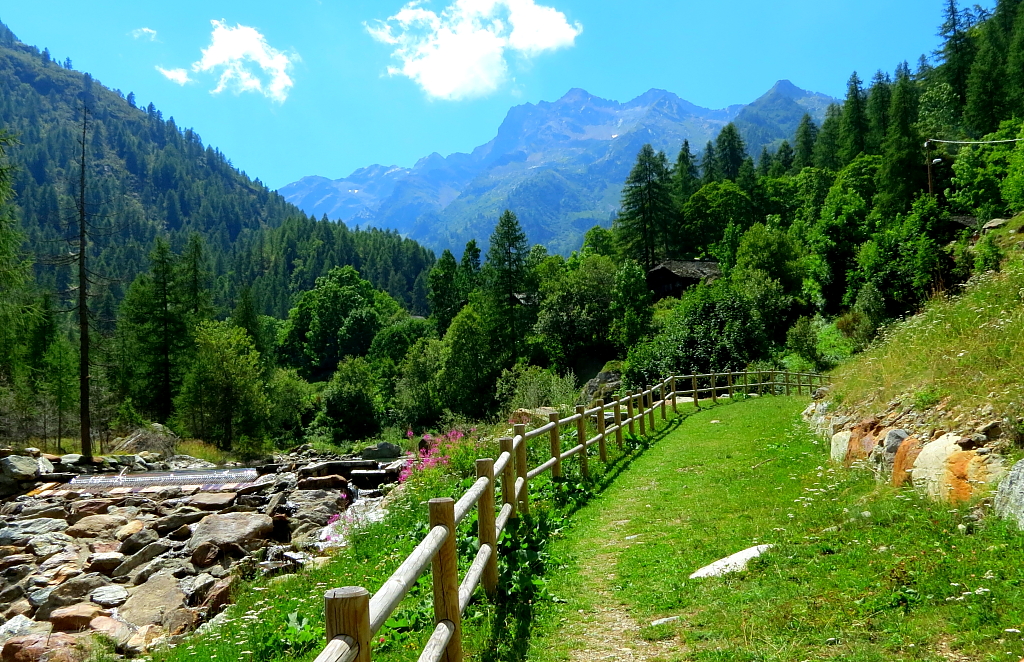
(487, 533)
(508, 474)
(760, 381)
(556, 446)
(602, 447)
(728, 385)
(347, 612)
(581, 438)
(521, 468)
(664, 400)
(714, 388)
(629, 411)
(675, 407)
(696, 402)
(445, 569)
(642, 415)
(650, 407)
(618, 423)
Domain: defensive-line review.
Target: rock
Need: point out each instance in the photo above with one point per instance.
(104, 546)
(884, 455)
(75, 617)
(383, 450)
(58, 647)
(129, 529)
(73, 590)
(945, 472)
(45, 466)
(48, 544)
(733, 563)
(184, 532)
(992, 430)
(71, 459)
(109, 596)
(317, 506)
(840, 446)
(323, 483)
(21, 532)
(862, 440)
(92, 507)
(603, 386)
(196, 588)
(205, 554)
(663, 621)
(1010, 495)
(16, 627)
(218, 597)
(49, 510)
(20, 607)
(138, 540)
(16, 559)
(177, 519)
(118, 631)
(154, 439)
(19, 467)
(903, 461)
(176, 566)
(144, 555)
(38, 598)
(104, 562)
(144, 639)
(212, 500)
(97, 526)
(180, 621)
(151, 602)
(230, 528)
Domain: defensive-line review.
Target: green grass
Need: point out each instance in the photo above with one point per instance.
(902, 582)
(961, 352)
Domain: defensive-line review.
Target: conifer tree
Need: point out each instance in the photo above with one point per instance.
(194, 277)
(986, 100)
(746, 178)
(730, 151)
(506, 278)
(685, 176)
(446, 296)
(709, 170)
(879, 98)
(826, 148)
(784, 158)
(764, 162)
(246, 316)
(647, 212)
(957, 51)
(806, 137)
(853, 126)
(901, 174)
(1015, 67)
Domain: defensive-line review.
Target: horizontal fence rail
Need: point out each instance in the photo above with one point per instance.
(353, 617)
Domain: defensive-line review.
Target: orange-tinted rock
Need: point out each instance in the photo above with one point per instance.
(218, 597)
(904, 462)
(75, 617)
(56, 647)
(118, 631)
(862, 440)
(946, 472)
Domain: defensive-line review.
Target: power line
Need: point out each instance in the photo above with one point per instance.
(972, 142)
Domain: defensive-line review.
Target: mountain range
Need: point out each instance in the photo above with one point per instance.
(559, 166)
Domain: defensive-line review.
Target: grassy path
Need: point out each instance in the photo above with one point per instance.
(858, 572)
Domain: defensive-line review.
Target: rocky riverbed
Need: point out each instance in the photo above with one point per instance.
(145, 564)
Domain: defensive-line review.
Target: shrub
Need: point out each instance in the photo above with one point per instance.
(348, 407)
(529, 387)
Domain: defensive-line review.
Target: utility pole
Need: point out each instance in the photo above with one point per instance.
(928, 154)
(83, 300)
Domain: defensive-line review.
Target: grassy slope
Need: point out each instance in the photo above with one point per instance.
(888, 586)
(965, 351)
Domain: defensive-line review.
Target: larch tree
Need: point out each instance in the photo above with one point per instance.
(645, 220)
(445, 295)
(685, 176)
(853, 125)
(806, 136)
(957, 51)
(901, 174)
(879, 98)
(986, 101)
(507, 277)
(709, 170)
(826, 148)
(731, 151)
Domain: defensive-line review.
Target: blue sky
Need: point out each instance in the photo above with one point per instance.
(324, 87)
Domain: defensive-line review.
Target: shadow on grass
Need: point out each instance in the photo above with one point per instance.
(524, 552)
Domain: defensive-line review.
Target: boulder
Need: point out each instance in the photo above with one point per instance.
(840, 446)
(118, 631)
(946, 472)
(57, 647)
(104, 562)
(92, 507)
(317, 506)
(18, 626)
(144, 555)
(212, 500)
(50, 510)
(218, 597)
(16, 559)
(19, 467)
(109, 596)
(383, 450)
(178, 518)
(323, 483)
(21, 532)
(153, 601)
(205, 554)
(46, 545)
(97, 526)
(129, 529)
(863, 439)
(196, 588)
(230, 528)
(70, 592)
(903, 461)
(884, 454)
(75, 617)
(138, 540)
(734, 563)
(144, 639)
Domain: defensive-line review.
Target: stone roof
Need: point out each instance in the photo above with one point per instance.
(696, 269)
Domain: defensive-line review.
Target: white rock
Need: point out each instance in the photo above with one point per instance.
(840, 445)
(734, 563)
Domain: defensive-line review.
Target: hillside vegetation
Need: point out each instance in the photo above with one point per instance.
(962, 352)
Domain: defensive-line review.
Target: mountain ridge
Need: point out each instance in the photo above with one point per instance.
(562, 163)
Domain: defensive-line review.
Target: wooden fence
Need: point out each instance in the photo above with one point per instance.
(353, 617)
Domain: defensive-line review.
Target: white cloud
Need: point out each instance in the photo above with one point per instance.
(179, 76)
(144, 33)
(463, 51)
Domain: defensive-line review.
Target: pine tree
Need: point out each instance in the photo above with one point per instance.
(901, 174)
(646, 216)
(826, 148)
(986, 90)
(506, 278)
(784, 159)
(194, 278)
(764, 162)
(957, 51)
(1015, 67)
(446, 297)
(853, 125)
(746, 178)
(469, 269)
(730, 151)
(806, 137)
(247, 317)
(685, 176)
(879, 98)
(709, 170)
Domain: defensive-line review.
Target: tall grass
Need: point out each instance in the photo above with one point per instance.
(959, 353)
